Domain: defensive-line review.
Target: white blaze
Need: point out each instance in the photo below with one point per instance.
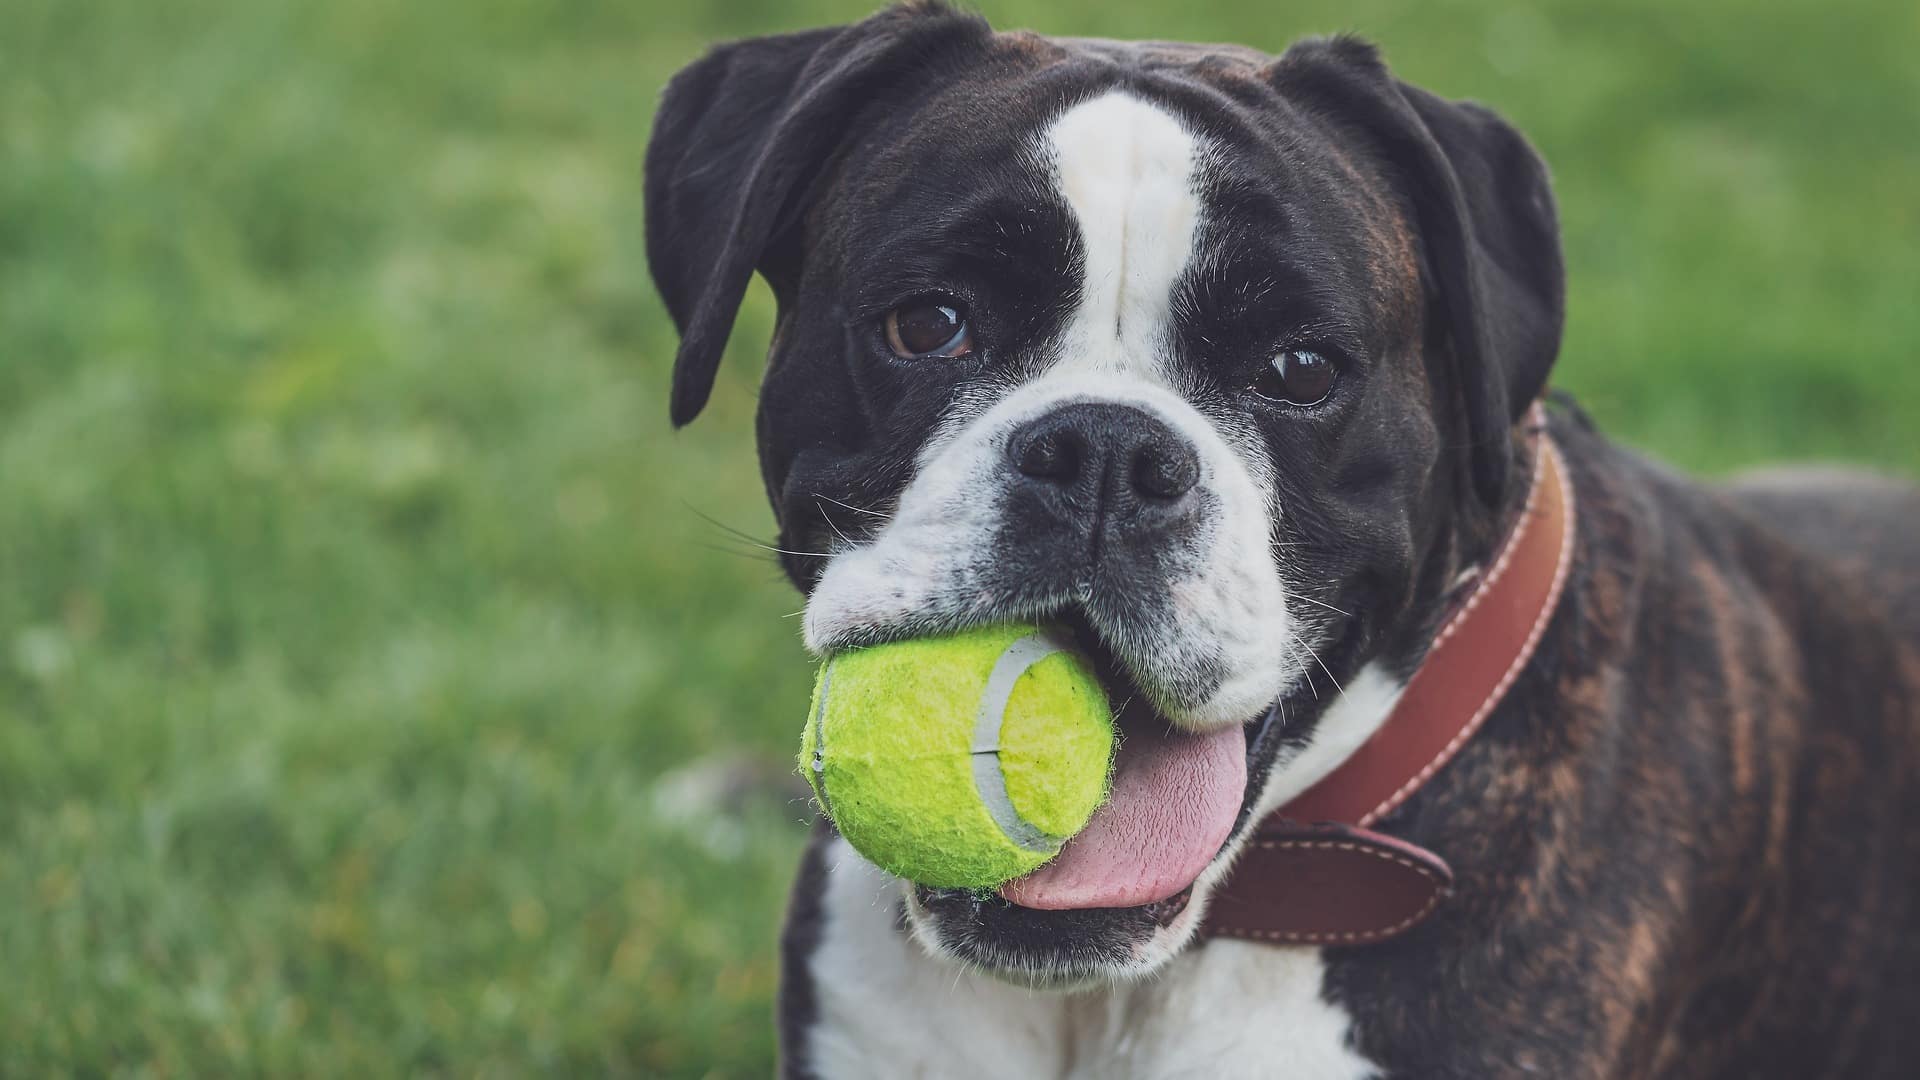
(1127, 170)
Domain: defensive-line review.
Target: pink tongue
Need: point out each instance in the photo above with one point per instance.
(1173, 803)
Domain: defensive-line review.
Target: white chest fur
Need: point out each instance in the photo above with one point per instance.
(1228, 1009)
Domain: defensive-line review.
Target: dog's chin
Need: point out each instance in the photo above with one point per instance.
(1063, 950)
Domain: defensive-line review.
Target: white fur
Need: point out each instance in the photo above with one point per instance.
(1349, 721)
(887, 1009)
(1128, 171)
(1226, 1010)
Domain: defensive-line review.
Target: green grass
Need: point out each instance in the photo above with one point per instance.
(355, 598)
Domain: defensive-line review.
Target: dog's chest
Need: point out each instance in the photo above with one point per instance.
(884, 1008)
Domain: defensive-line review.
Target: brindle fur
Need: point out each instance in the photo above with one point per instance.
(1687, 844)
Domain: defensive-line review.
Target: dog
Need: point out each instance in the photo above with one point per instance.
(1226, 364)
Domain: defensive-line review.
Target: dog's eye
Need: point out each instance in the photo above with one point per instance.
(1297, 377)
(929, 326)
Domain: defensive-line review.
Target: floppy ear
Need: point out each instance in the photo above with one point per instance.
(1486, 218)
(740, 136)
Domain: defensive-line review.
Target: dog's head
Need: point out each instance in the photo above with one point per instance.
(1211, 358)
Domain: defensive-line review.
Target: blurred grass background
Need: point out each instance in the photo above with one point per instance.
(369, 677)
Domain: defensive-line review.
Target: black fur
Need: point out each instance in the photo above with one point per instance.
(740, 139)
(1487, 224)
(798, 1010)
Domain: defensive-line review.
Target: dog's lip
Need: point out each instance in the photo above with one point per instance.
(1163, 911)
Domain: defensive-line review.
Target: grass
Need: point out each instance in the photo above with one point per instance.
(369, 676)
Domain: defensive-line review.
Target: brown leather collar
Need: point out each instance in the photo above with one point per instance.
(1313, 872)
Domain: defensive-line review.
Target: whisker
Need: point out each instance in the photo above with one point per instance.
(1321, 603)
(837, 532)
(1300, 641)
(769, 547)
(747, 538)
(738, 534)
(738, 552)
(849, 506)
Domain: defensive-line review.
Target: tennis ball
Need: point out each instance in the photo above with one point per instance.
(959, 762)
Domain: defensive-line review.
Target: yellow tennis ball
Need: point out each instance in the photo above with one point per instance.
(959, 762)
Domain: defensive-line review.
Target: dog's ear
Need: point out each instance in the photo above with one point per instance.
(740, 137)
(1486, 218)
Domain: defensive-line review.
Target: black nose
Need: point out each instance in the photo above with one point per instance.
(1104, 460)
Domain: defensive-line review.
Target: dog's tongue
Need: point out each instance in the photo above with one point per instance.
(1174, 799)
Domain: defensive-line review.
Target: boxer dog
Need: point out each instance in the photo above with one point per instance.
(1221, 362)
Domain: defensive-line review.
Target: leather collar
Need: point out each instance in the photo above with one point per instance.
(1314, 871)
